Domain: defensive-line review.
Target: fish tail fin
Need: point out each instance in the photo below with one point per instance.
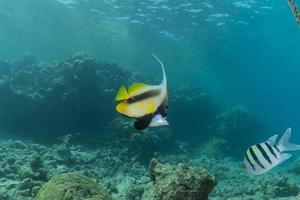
(164, 81)
(122, 94)
(284, 144)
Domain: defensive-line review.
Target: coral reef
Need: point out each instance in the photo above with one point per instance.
(57, 98)
(71, 102)
(21, 168)
(71, 186)
(26, 166)
(178, 182)
(280, 187)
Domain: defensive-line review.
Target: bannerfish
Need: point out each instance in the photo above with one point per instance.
(145, 103)
(261, 158)
(295, 10)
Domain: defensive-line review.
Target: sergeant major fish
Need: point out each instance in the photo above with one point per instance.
(145, 103)
(261, 158)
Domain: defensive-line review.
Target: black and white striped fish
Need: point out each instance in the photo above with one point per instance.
(262, 157)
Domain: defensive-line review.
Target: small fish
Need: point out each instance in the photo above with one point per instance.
(295, 10)
(145, 103)
(262, 157)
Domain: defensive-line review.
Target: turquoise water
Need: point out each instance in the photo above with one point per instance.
(232, 68)
(240, 51)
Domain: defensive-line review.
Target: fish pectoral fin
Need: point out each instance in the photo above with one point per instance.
(143, 122)
(135, 88)
(122, 108)
(122, 94)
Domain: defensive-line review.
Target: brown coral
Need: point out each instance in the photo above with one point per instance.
(71, 186)
(178, 182)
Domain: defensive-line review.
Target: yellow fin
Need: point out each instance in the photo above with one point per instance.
(122, 94)
(135, 88)
(122, 108)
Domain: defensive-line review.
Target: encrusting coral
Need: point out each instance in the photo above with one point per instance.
(71, 186)
(178, 182)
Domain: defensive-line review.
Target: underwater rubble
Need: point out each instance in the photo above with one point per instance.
(27, 166)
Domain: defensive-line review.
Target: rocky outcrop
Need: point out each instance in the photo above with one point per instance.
(57, 98)
(71, 186)
(178, 182)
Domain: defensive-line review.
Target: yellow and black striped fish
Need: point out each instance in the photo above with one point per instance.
(145, 103)
(261, 158)
(295, 10)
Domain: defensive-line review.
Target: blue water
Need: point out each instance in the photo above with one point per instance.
(240, 51)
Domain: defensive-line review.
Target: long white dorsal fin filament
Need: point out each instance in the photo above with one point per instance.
(164, 81)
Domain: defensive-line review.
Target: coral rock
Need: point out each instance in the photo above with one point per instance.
(281, 187)
(178, 182)
(71, 186)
